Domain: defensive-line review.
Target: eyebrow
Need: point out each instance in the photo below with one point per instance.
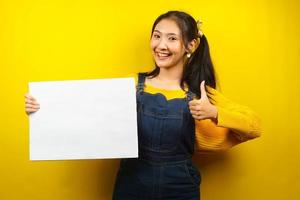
(167, 33)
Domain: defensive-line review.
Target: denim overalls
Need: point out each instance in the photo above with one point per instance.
(166, 135)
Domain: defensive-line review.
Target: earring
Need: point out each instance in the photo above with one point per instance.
(188, 55)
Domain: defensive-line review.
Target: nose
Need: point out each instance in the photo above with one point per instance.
(162, 44)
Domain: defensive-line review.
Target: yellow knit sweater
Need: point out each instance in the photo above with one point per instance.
(235, 123)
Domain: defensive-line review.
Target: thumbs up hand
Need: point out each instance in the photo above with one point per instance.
(202, 108)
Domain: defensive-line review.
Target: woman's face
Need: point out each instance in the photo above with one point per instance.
(167, 45)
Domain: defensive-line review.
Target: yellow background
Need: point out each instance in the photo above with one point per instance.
(255, 48)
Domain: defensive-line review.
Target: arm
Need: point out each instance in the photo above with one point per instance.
(211, 138)
(241, 120)
(234, 124)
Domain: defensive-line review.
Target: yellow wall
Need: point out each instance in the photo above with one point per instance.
(255, 48)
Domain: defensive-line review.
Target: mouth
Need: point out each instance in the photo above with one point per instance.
(162, 55)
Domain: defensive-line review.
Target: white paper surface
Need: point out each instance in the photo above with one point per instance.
(84, 119)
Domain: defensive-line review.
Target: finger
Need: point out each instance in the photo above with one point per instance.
(28, 101)
(195, 108)
(29, 96)
(32, 106)
(32, 103)
(194, 112)
(30, 110)
(27, 105)
(194, 102)
(197, 112)
(203, 91)
(197, 117)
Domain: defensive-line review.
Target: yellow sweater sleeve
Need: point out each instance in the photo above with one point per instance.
(240, 119)
(235, 124)
(211, 138)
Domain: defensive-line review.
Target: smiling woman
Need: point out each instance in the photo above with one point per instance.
(178, 108)
(173, 119)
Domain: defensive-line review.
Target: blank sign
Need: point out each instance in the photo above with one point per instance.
(84, 119)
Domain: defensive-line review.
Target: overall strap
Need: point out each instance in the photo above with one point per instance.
(141, 82)
(190, 95)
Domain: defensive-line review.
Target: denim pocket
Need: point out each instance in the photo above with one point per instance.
(159, 129)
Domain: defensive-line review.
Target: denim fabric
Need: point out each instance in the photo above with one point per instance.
(166, 136)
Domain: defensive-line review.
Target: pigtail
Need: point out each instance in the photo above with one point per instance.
(199, 67)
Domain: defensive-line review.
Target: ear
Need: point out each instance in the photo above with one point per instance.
(192, 45)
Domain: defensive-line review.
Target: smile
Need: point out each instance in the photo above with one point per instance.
(162, 55)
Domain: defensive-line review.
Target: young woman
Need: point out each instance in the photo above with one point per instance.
(177, 106)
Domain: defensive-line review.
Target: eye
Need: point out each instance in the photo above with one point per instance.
(172, 38)
(156, 36)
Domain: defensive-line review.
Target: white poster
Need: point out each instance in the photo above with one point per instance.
(84, 119)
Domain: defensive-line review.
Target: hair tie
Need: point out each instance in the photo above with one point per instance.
(199, 26)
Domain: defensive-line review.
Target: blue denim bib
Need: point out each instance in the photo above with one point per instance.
(166, 136)
(166, 128)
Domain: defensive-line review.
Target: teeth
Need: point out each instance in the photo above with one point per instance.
(163, 54)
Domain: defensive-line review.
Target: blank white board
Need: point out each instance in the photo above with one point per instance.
(84, 119)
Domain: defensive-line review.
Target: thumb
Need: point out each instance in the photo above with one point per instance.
(203, 91)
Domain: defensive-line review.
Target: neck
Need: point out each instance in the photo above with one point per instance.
(171, 75)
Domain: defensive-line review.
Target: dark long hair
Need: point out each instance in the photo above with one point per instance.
(199, 66)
